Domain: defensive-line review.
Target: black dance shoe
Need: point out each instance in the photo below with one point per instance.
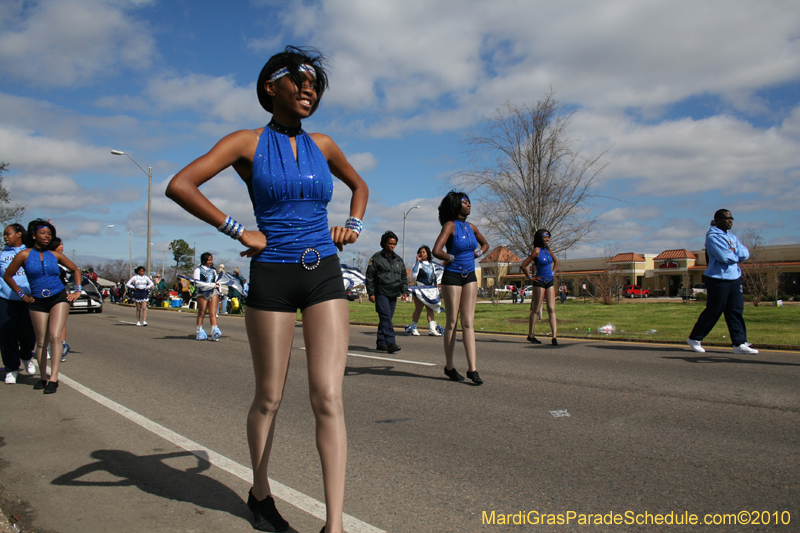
(476, 379)
(265, 516)
(51, 387)
(534, 340)
(453, 374)
(555, 342)
(42, 383)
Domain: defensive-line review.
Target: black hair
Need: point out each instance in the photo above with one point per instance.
(450, 208)
(19, 228)
(34, 225)
(137, 269)
(720, 213)
(538, 239)
(292, 57)
(204, 257)
(386, 236)
(54, 243)
(427, 250)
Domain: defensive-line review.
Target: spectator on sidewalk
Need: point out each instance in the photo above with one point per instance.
(386, 281)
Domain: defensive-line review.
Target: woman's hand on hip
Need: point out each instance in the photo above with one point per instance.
(254, 241)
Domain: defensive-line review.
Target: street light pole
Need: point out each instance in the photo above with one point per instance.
(404, 232)
(149, 173)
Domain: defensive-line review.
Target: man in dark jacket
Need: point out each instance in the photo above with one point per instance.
(386, 280)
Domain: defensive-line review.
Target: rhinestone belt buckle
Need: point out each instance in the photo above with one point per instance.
(310, 265)
(45, 291)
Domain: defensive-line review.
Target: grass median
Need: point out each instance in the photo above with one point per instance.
(767, 325)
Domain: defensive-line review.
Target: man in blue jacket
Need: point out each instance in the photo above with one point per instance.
(723, 279)
(386, 280)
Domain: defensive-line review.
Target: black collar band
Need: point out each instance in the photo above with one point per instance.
(286, 130)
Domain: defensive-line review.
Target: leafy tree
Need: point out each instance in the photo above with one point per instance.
(183, 255)
(10, 214)
(534, 178)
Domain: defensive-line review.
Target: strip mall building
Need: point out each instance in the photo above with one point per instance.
(662, 274)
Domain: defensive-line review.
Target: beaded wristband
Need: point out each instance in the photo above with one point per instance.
(354, 224)
(231, 228)
(21, 294)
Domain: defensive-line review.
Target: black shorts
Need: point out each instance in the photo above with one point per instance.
(544, 284)
(43, 305)
(456, 279)
(287, 287)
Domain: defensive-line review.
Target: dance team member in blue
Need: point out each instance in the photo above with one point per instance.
(141, 285)
(17, 338)
(294, 264)
(459, 284)
(48, 300)
(424, 273)
(544, 288)
(207, 296)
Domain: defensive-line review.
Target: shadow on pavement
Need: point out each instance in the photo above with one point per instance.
(151, 474)
(724, 359)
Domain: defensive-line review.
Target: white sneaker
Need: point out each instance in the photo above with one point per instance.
(744, 348)
(695, 346)
(216, 334)
(433, 330)
(30, 367)
(11, 377)
(138, 323)
(144, 323)
(414, 331)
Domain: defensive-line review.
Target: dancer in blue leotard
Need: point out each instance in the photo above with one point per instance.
(459, 283)
(48, 299)
(288, 175)
(543, 283)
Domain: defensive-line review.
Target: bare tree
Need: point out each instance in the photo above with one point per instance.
(758, 275)
(10, 214)
(536, 178)
(607, 284)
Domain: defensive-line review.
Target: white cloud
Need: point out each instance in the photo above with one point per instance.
(63, 43)
(25, 149)
(362, 162)
(217, 97)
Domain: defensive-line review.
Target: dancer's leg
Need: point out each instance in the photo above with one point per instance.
(39, 320)
(270, 334)
(418, 305)
(469, 296)
(202, 303)
(550, 300)
(451, 294)
(536, 303)
(144, 312)
(213, 307)
(326, 332)
(55, 326)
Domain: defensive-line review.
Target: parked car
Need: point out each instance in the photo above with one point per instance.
(90, 299)
(698, 288)
(635, 291)
(352, 295)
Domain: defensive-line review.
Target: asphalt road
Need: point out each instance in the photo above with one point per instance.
(652, 430)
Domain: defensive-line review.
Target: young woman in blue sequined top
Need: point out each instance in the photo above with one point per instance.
(288, 174)
(459, 283)
(543, 283)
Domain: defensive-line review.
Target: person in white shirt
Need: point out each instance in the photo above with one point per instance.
(425, 274)
(141, 286)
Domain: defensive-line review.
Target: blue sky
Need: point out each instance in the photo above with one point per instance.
(697, 103)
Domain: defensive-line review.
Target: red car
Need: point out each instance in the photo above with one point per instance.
(635, 291)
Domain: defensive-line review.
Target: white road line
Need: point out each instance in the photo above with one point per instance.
(123, 322)
(385, 358)
(287, 494)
